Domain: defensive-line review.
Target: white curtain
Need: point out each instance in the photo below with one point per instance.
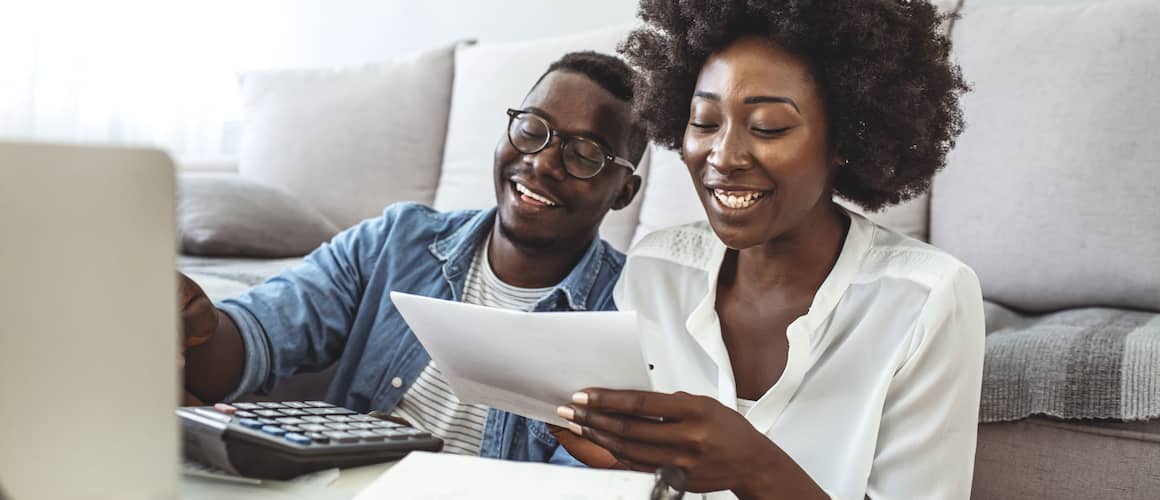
(120, 72)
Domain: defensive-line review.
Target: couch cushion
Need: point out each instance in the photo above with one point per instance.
(489, 78)
(222, 278)
(225, 215)
(1042, 459)
(349, 141)
(1080, 363)
(1052, 193)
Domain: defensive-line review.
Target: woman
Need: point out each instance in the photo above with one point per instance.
(819, 355)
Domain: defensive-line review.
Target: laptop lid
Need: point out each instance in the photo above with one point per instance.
(88, 323)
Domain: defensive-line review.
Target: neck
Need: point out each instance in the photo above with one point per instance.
(526, 267)
(803, 257)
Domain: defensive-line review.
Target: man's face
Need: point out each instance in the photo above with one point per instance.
(574, 105)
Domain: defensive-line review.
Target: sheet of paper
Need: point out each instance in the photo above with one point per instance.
(526, 363)
(423, 476)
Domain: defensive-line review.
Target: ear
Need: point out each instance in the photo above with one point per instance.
(627, 192)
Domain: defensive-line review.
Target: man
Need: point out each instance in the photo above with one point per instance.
(568, 157)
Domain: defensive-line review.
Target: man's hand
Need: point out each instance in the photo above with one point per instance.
(198, 323)
(198, 317)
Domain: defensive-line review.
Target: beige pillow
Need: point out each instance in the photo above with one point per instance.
(349, 141)
(224, 215)
(1053, 192)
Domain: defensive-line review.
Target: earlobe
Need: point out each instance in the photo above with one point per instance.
(627, 192)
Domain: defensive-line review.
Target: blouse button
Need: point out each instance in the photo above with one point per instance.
(396, 382)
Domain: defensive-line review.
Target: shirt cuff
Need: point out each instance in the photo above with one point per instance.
(256, 369)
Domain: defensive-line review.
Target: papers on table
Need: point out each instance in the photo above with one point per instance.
(425, 475)
(526, 363)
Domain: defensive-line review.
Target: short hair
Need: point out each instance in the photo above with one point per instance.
(881, 67)
(611, 74)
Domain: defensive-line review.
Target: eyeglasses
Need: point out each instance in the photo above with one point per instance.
(583, 158)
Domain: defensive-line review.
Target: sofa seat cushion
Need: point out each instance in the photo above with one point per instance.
(222, 278)
(1075, 364)
(1040, 458)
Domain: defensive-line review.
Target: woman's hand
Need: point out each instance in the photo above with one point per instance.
(716, 447)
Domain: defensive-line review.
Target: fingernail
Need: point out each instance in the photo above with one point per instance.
(580, 398)
(565, 413)
(575, 428)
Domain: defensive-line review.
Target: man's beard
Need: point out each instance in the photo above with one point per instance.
(521, 242)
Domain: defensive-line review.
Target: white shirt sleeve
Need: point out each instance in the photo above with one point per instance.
(926, 441)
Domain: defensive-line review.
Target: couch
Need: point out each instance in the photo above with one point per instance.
(1052, 195)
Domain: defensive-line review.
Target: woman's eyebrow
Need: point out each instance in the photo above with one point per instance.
(757, 99)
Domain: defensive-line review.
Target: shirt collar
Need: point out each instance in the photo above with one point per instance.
(858, 242)
(456, 248)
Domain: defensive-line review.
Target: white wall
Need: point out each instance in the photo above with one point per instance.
(322, 32)
(319, 32)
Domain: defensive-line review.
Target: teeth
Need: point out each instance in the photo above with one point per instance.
(737, 199)
(528, 192)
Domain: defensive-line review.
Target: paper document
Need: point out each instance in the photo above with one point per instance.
(425, 475)
(526, 363)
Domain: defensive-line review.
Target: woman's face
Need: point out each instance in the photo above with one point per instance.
(756, 143)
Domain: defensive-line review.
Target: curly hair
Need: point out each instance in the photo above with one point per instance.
(881, 66)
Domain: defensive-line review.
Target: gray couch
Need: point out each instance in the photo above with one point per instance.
(1052, 195)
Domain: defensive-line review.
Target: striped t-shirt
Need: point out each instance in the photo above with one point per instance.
(429, 403)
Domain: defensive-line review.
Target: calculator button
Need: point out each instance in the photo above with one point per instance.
(339, 426)
(367, 435)
(293, 412)
(318, 404)
(363, 418)
(296, 404)
(225, 408)
(383, 424)
(415, 433)
(361, 425)
(342, 437)
(247, 406)
(273, 430)
(268, 413)
(387, 433)
(318, 437)
(339, 418)
(328, 411)
(251, 423)
(245, 414)
(297, 438)
(291, 421)
(318, 419)
(271, 405)
(314, 427)
(268, 421)
(292, 428)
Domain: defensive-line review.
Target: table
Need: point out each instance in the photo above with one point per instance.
(349, 483)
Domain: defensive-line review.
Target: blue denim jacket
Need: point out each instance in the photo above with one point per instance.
(335, 308)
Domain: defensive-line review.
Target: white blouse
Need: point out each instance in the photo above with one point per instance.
(880, 394)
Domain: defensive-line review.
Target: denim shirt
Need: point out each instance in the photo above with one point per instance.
(335, 308)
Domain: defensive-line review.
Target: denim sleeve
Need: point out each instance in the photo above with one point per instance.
(562, 457)
(299, 320)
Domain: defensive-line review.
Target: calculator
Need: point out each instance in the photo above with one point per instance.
(282, 440)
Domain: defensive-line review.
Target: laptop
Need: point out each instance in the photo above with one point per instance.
(88, 323)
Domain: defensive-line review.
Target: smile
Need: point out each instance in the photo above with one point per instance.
(534, 196)
(738, 200)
